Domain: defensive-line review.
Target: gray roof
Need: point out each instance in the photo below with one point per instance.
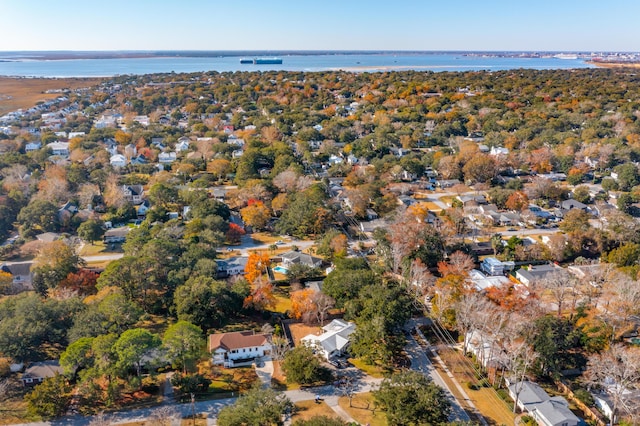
(556, 412)
(42, 369)
(537, 272)
(15, 269)
(530, 393)
(299, 257)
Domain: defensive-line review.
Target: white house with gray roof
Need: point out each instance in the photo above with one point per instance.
(545, 409)
(334, 341)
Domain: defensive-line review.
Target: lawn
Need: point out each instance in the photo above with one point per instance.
(299, 330)
(283, 301)
(372, 370)
(362, 409)
(307, 409)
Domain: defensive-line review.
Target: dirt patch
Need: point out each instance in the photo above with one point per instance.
(299, 330)
(308, 409)
(17, 93)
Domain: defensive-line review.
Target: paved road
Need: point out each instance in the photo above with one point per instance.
(328, 393)
(420, 362)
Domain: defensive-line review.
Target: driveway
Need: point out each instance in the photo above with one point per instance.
(264, 370)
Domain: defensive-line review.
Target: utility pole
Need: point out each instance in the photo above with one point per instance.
(193, 408)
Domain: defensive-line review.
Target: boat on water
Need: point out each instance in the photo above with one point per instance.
(565, 56)
(261, 61)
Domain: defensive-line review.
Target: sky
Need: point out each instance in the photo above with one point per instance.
(485, 25)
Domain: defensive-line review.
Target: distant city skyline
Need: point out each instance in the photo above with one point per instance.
(416, 25)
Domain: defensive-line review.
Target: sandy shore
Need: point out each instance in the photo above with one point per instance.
(614, 64)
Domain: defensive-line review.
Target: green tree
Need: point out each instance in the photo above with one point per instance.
(90, 230)
(184, 343)
(628, 176)
(556, 341)
(581, 194)
(77, 356)
(208, 303)
(256, 407)
(411, 398)
(132, 347)
(301, 365)
(50, 398)
(625, 255)
(38, 216)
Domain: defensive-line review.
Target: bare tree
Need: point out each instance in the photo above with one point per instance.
(560, 285)
(286, 181)
(470, 311)
(101, 419)
(323, 304)
(620, 299)
(520, 359)
(166, 415)
(617, 370)
(279, 347)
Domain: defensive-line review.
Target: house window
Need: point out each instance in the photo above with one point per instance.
(244, 350)
(28, 380)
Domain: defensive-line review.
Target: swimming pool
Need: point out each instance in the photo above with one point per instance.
(280, 269)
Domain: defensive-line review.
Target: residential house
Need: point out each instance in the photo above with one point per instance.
(447, 183)
(546, 410)
(66, 212)
(492, 266)
(166, 157)
(59, 148)
(182, 146)
(240, 348)
(116, 235)
(133, 193)
(471, 200)
(22, 276)
(118, 160)
(38, 371)
(138, 160)
(142, 119)
(231, 267)
(486, 350)
(498, 150)
(143, 209)
(482, 282)
(32, 146)
(334, 341)
(297, 257)
(532, 273)
(48, 237)
(573, 204)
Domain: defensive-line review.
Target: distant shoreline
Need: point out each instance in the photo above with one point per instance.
(11, 56)
(614, 64)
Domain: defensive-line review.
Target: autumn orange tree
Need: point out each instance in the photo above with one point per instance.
(517, 201)
(261, 296)
(302, 304)
(256, 214)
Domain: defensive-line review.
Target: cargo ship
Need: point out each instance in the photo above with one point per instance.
(261, 61)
